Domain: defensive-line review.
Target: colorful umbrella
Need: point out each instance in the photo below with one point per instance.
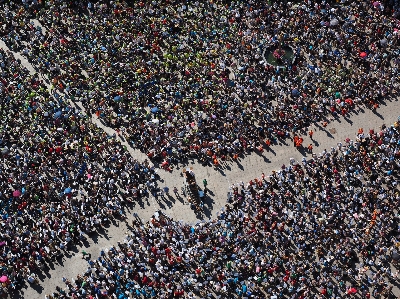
(3, 279)
(17, 193)
(352, 291)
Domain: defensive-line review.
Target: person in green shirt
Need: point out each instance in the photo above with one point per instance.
(84, 254)
(205, 183)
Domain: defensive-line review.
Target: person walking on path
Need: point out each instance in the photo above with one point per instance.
(311, 133)
(205, 183)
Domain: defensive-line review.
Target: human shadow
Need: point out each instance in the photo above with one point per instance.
(204, 213)
(17, 294)
(180, 198)
(60, 261)
(43, 274)
(327, 132)
(86, 244)
(302, 150)
(209, 191)
(73, 248)
(348, 120)
(351, 112)
(49, 265)
(161, 205)
(282, 141)
(139, 201)
(221, 171)
(164, 200)
(269, 149)
(208, 202)
(207, 212)
(37, 287)
(374, 111)
(266, 160)
(103, 232)
(170, 198)
(240, 166)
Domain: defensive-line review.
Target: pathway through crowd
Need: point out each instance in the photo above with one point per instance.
(219, 182)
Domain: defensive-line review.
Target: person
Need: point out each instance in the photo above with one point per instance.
(311, 133)
(84, 254)
(310, 148)
(205, 183)
(32, 279)
(296, 140)
(59, 144)
(80, 182)
(296, 107)
(295, 255)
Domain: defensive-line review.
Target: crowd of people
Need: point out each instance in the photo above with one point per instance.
(327, 227)
(180, 78)
(61, 176)
(192, 78)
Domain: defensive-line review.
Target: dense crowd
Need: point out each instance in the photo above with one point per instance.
(321, 228)
(190, 78)
(61, 177)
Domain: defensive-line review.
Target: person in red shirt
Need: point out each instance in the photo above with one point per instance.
(295, 140)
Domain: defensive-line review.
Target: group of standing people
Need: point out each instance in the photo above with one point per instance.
(183, 79)
(327, 227)
(193, 78)
(61, 176)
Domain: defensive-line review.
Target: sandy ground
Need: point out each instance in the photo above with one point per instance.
(219, 182)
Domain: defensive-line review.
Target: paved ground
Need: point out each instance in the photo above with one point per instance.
(252, 166)
(219, 182)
